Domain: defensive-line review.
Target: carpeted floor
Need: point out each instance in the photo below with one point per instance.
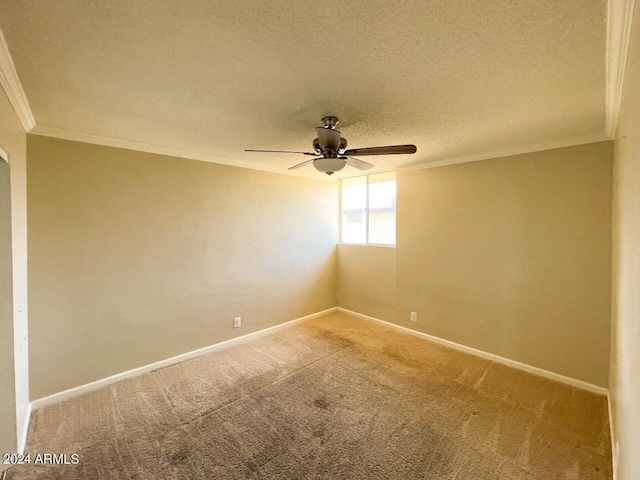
(334, 397)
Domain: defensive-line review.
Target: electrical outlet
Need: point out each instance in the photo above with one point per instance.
(237, 322)
(414, 316)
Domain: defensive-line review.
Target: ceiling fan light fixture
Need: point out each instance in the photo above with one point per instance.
(329, 165)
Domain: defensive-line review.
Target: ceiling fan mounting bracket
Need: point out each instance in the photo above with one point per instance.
(330, 122)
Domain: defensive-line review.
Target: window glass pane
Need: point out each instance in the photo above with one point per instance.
(382, 208)
(354, 210)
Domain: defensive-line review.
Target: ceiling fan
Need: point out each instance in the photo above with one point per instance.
(333, 152)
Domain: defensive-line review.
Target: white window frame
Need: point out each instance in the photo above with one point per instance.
(366, 211)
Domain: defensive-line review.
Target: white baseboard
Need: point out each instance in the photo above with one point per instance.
(488, 356)
(22, 436)
(74, 392)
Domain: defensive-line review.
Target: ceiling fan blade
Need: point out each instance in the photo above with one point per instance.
(329, 138)
(391, 150)
(359, 164)
(300, 165)
(281, 151)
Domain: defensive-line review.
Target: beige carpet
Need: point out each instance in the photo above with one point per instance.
(333, 397)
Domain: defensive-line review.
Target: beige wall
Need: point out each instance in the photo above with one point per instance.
(367, 280)
(13, 329)
(625, 344)
(8, 432)
(510, 256)
(137, 257)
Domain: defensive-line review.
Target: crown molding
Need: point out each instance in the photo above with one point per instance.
(539, 147)
(63, 134)
(13, 88)
(619, 22)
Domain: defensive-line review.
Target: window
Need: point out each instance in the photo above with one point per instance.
(354, 218)
(369, 209)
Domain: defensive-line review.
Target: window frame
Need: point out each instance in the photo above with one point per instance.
(366, 214)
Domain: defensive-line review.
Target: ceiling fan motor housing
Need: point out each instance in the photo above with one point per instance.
(343, 145)
(341, 148)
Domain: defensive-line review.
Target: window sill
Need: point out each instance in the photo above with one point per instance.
(367, 244)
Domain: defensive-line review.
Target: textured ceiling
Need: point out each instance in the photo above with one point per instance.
(454, 77)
